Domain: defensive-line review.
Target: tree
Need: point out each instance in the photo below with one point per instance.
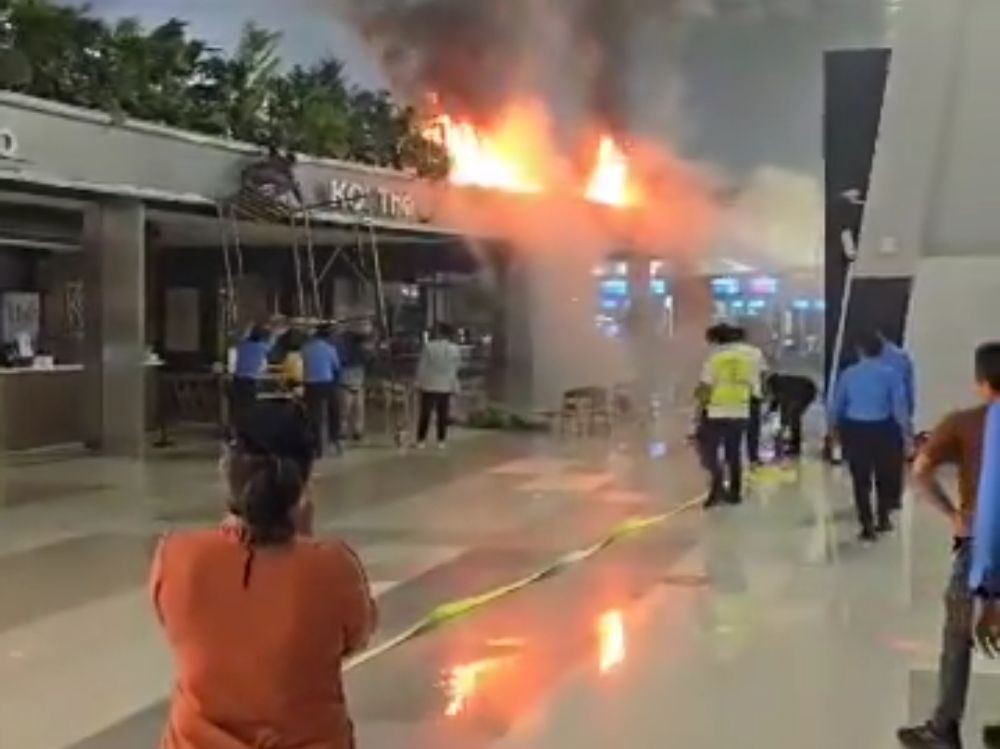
(163, 75)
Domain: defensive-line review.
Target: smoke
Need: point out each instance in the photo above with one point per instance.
(577, 55)
(565, 71)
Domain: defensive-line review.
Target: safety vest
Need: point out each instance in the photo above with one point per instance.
(732, 374)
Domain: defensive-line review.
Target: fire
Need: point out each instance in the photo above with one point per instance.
(610, 181)
(495, 159)
(462, 682)
(517, 153)
(611, 638)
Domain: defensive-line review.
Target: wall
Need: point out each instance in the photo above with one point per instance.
(932, 214)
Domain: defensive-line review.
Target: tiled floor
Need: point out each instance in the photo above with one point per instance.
(759, 626)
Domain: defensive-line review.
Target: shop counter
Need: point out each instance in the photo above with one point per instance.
(46, 408)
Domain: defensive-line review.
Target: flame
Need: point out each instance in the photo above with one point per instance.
(462, 682)
(517, 152)
(611, 639)
(610, 182)
(494, 159)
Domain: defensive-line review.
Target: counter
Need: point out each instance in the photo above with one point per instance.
(45, 407)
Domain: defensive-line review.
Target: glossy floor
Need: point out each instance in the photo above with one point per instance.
(760, 626)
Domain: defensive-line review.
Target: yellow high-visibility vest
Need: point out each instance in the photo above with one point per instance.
(732, 374)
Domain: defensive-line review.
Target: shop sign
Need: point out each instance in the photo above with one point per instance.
(378, 202)
(8, 143)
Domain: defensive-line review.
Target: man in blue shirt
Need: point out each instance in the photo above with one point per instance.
(251, 363)
(900, 361)
(869, 415)
(321, 371)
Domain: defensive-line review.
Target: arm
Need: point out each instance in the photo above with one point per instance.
(984, 579)
(156, 579)
(910, 383)
(901, 408)
(942, 447)
(360, 612)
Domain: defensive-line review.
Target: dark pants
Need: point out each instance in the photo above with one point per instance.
(723, 436)
(956, 647)
(874, 452)
(791, 428)
(753, 430)
(323, 406)
(242, 396)
(438, 404)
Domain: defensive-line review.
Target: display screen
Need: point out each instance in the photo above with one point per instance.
(725, 286)
(658, 287)
(614, 287)
(763, 285)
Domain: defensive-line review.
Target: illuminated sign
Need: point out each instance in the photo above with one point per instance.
(614, 287)
(763, 285)
(658, 287)
(726, 286)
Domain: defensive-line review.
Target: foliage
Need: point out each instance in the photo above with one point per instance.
(163, 75)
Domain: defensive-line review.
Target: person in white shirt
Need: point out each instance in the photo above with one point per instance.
(437, 381)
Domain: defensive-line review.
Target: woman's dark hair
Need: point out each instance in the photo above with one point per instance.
(270, 460)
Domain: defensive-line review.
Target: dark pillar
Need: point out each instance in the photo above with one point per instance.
(115, 341)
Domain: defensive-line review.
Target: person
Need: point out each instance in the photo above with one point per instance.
(958, 441)
(754, 424)
(250, 366)
(355, 360)
(899, 360)
(258, 616)
(869, 417)
(321, 370)
(292, 366)
(790, 396)
(437, 381)
(728, 382)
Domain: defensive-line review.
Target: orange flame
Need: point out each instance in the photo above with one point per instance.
(496, 159)
(610, 182)
(517, 153)
(611, 638)
(462, 682)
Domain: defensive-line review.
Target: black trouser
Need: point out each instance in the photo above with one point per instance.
(874, 452)
(723, 436)
(438, 404)
(956, 648)
(753, 430)
(323, 406)
(791, 428)
(242, 396)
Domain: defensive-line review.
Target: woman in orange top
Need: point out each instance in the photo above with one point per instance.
(258, 615)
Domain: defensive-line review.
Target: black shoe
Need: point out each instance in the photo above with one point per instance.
(929, 737)
(885, 526)
(991, 737)
(734, 499)
(714, 500)
(868, 536)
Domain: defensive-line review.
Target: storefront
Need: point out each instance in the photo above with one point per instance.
(112, 267)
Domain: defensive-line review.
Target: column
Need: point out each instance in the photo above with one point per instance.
(115, 341)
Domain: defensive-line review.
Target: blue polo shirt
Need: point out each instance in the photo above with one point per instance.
(900, 361)
(320, 362)
(870, 392)
(251, 359)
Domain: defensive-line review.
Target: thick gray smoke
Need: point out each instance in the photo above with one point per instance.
(577, 55)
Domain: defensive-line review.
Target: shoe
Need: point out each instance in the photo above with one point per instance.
(868, 536)
(421, 445)
(442, 445)
(991, 737)
(885, 526)
(734, 500)
(715, 500)
(928, 736)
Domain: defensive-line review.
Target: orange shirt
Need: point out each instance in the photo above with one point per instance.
(259, 667)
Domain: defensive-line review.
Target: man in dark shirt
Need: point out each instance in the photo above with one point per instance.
(957, 441)
(790, 395)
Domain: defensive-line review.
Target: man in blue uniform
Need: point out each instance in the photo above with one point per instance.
(870, 416)
(251, 363)
(321, 371)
